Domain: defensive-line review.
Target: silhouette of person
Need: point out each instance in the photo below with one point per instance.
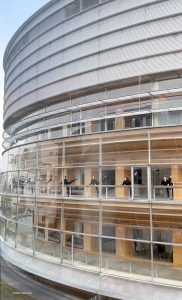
(66, 182)
(94, 182)
(166, 182)
(127, 181)
(31, 184)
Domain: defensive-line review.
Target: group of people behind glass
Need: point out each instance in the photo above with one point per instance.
(165, 182)
(126, 181)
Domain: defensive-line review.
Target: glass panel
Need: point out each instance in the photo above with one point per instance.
(55, 132)
(116, 182)
(108, 183)
(50, 154)
(162, 177)
(88, 3)
(27, 180)
(22, 182)
(2, 227)
(166, 145)
(5, 161)
(129, 90)
(93, 112)
(140, 183)
(67, 249)
(13, 182)
(90, 98)
(121, 220)
(13, 161)
(24, 238)
(167, 230)
(132, 258)
(126, 217)
(165, 103)
(94, 126)
(31, 138)
(62, 118)
(167, 83)
(167, 223)
(72, 9)
(82, 150)
(73, 183)
(87, 215)
(90, 257)
(75, 129)
(110, 124)
(102, 125)
(40, 136)
(8, 206)
(27, 157)
(47, 244)
(57, 106)
(125, 228)
(10, 233)
(66, 130)
(4, 183)
(126, 106)
(11, 207)
(48, 181)
(25, 210)
(138, 121)
(75, 116)
(125, 148)
(167, 270)
(48, 216)
(3, 205)
(168, 118)
(108, 241)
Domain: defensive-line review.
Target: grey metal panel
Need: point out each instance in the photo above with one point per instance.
(37, 17)
(110, 40)
(112, 23)
(127, 18)
(77, 82)
(44, 79)
(136, 51)
(164, 8)
(32, 59)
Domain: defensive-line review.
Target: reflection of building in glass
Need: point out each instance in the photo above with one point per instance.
(94, 88)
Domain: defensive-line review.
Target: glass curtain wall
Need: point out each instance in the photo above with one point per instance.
(108, 202)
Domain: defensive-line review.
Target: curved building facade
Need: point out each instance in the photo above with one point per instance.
(92, 166)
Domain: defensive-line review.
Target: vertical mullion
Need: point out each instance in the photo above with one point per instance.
(62, 228)
(35, 200)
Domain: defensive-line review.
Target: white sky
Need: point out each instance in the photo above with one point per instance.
(12, 14)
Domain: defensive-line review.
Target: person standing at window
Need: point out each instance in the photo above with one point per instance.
(95, 182)
(126, 181)
(66, 182)
(166, 182)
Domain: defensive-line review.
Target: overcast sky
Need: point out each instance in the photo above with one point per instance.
(12, 14)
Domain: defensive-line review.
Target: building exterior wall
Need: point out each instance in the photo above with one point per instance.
(94, 88)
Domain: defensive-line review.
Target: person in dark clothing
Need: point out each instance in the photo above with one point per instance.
(22, 185)
(66, 182)
(126, 181)
(31, 185)
(95, 182)
(166, 182)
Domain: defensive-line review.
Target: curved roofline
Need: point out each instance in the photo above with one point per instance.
(40, 10)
